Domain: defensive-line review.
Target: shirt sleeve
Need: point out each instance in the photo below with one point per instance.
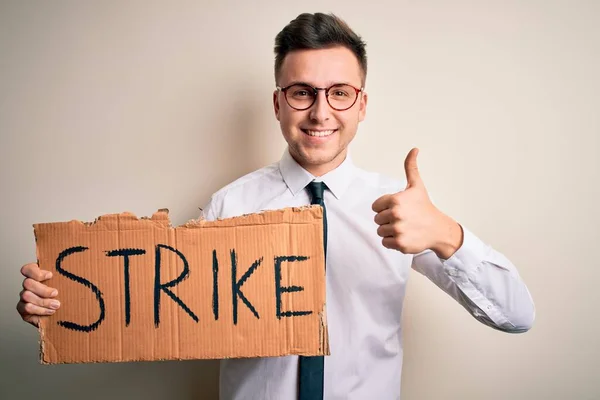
(213, 209)
(484, 282)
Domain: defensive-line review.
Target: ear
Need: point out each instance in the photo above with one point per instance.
(362, 110)
(276, 103)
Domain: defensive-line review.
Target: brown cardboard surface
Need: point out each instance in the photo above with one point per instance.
(138, 289)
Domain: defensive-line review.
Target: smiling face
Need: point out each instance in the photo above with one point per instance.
(318, 137)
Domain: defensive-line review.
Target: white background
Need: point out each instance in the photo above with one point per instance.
(110, 106)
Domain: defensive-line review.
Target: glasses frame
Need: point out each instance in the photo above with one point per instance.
(316, 93)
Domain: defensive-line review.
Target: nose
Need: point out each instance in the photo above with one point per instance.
(319, 112)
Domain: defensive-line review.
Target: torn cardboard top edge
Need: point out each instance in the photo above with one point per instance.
(162, 215)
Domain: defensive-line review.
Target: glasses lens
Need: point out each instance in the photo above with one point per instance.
(341, 97)
(300, 96)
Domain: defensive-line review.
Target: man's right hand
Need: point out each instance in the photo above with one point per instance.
(36, 299)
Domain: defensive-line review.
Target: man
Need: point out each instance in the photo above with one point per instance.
(377, 228)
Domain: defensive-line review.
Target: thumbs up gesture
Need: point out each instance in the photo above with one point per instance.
(409, 222)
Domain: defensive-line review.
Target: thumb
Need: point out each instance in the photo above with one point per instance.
(413, 178)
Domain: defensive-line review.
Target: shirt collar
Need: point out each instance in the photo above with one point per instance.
(296, 178)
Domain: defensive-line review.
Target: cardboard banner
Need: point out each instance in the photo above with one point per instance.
(138, 289)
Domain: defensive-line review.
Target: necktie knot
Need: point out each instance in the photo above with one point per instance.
(317, 189)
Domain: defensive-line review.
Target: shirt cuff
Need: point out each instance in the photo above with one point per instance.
(468, 258)
(464, 268)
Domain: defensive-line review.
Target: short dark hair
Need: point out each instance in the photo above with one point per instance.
(318, 31)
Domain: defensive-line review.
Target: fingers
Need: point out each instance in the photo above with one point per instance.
(389, 243)
(36, 299)
(388, 230)
(26, 309)
(31, 313)
(31, 306)
(382, 203)
(34, 272)
(39, 289)
(385, 217)
(30, 297)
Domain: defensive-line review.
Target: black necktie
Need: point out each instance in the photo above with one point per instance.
(310, 379)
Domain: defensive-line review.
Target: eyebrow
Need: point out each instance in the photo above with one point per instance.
(309, 84)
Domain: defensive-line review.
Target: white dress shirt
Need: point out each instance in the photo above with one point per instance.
(365, 285)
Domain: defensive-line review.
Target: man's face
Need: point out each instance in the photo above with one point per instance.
(319, 136)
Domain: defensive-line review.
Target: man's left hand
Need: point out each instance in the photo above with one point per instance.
(409, 222)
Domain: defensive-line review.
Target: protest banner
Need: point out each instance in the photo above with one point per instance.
(134, 289)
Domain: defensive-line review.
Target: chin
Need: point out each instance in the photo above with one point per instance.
(317, 158)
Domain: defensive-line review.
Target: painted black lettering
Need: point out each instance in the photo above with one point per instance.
(84, 282)
(125, 253)
(286, 289)
(165, 286)
(215, 300)
(236, 286)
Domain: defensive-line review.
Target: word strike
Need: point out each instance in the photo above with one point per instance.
(165, 288)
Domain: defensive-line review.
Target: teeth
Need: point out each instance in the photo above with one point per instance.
(319, 133)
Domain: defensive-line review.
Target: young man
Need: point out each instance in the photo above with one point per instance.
(377, 228)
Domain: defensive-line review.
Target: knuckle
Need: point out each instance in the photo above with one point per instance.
(27, 296)
(49, 292)
(375, 205)
(29, 270)
(396, 212)
(383, 217)
(29, 308)
(27, 283)
(377, 218)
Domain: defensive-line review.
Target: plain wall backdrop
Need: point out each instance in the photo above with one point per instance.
(114, 106)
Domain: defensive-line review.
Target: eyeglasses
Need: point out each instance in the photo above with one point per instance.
(301, 96)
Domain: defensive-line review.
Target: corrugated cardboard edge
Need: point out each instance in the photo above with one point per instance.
(161, 217)
(43, 359)
(324, 333)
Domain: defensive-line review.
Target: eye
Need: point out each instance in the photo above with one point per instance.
(340, 93)
(300, 93)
